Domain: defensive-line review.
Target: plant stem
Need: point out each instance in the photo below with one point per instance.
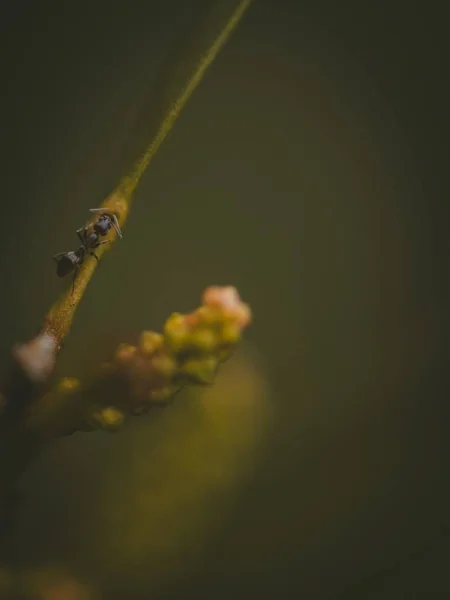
(58, 320)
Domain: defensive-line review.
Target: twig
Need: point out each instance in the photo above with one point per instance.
(25, 400)
(36, 359)
(59, 319)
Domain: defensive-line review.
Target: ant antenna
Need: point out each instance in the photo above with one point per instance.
(115, 224)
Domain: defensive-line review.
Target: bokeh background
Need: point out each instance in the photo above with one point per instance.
(310, 171)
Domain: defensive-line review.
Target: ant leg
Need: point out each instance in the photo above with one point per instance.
(81, 233)
(92, 253)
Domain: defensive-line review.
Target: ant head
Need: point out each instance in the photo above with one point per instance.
(104, 212)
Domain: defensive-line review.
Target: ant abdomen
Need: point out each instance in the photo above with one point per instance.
(66, 262)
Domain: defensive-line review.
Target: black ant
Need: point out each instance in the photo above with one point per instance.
(90, 240)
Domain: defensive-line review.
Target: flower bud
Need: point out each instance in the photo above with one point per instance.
(125, 353)
(165, 366)
(203, 340)
(149, 342)
(68, 384)
(109, 418)
(231, 333)
(200, 370)
(175, 331)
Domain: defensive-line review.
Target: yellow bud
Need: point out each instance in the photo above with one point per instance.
(201, 370)
(149, 342)
(231, 333)
(164, 365)
(175, 331)
(109, 418)
(208, 315)
(125, 353)
(203, 340)
(68, 384)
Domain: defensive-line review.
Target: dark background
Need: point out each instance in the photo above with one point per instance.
(310, 169)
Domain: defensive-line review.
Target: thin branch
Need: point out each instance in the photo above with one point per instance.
(58, 320)
(28, 407)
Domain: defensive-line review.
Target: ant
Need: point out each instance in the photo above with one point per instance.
(90, 240)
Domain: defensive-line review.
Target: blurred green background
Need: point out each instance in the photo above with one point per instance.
(309, 171)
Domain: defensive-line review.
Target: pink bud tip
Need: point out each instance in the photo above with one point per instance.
(227, 299)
